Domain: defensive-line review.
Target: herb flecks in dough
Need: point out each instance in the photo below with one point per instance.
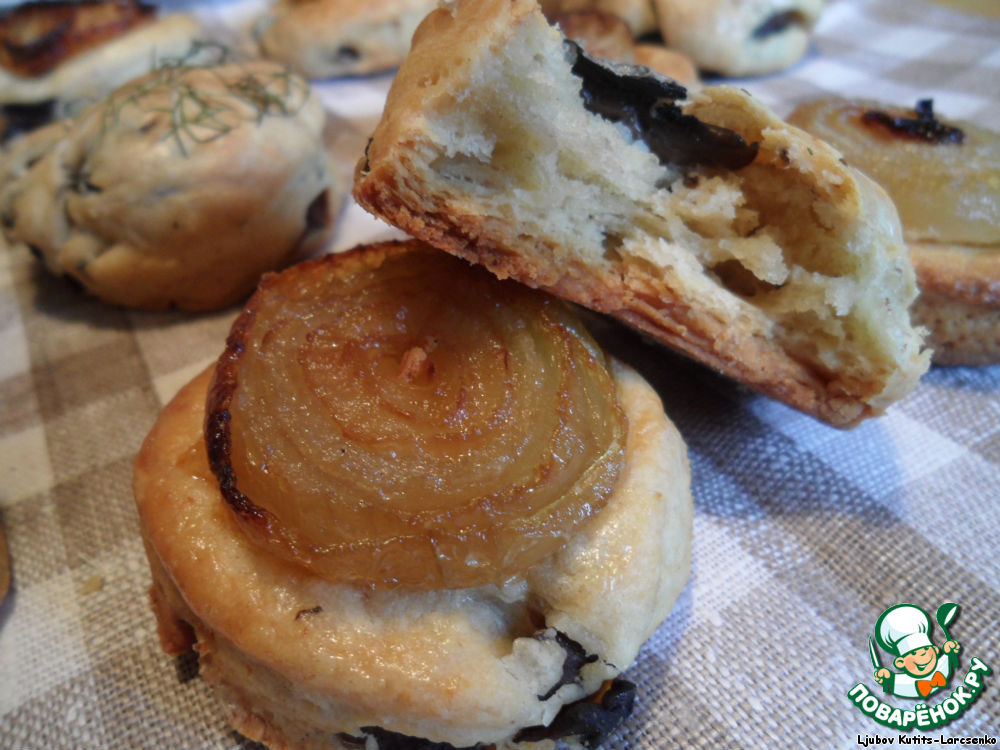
(199, 116)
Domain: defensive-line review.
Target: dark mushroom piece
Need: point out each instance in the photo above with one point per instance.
(646, 104)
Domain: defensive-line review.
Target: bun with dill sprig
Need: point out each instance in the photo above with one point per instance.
(179, 189)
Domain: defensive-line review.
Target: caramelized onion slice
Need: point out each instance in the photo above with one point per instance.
(393, 416)
(945, 188)
(37, 37)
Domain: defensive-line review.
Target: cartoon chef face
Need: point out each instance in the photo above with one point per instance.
(904, 630)
(919, 662)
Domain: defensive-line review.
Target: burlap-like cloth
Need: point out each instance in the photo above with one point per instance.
(803, 534)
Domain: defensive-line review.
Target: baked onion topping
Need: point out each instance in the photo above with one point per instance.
(393, 416)
(944, 185)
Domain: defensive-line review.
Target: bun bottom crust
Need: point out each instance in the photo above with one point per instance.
(959, 301)
(303, 663)
(960, 333)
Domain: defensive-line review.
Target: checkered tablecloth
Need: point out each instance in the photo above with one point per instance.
(803, 534)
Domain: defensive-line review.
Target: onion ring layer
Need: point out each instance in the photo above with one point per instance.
(945, 190)
(393, 416)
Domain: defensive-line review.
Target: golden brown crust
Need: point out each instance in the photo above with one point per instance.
(600, 34)
(93, 72)
(638, 299)
(638, 15)
(961, 333)
(607, 36)
(963, 273)
(668, 62)
(326, 38)
(959, 301)
(172, 621)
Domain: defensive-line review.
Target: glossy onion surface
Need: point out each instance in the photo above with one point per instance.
(945, 192)
(394, 416)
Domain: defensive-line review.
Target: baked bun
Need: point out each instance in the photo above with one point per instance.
(328, 38)
(638, 15)
(180, 189)
(943, 177)
(668, 62)
(603, 35)
(739, 37)
(83, 51)
(746, 243)
(303, 660)
(600, 34)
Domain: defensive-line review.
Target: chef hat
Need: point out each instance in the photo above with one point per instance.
(903, 628)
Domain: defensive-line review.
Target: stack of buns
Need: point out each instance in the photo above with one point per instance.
(351, 472)
(706, 222)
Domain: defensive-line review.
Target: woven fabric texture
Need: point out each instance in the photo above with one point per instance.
(803, 534)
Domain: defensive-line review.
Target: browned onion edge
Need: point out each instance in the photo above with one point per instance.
(256, 520)
(218, 438)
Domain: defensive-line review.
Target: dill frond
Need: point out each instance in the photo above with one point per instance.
(198, 116)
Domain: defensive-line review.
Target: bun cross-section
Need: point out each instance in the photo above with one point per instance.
(701, 219)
